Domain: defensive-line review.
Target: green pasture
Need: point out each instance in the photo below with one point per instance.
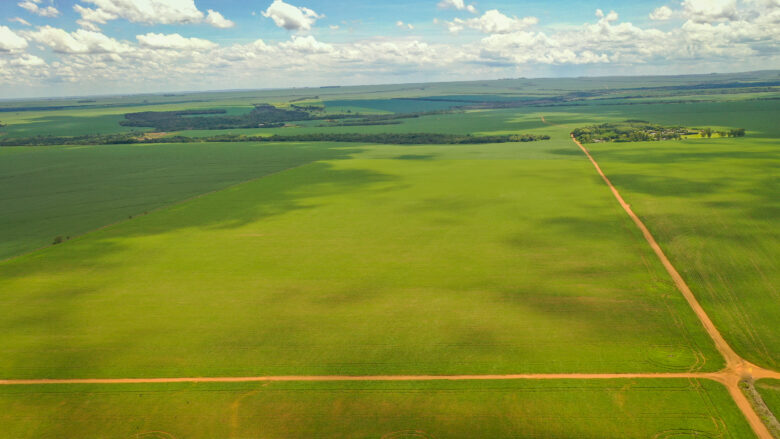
(66, 191)
(402, 260)
(678, 409)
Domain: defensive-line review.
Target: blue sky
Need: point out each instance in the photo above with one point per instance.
(56, 47)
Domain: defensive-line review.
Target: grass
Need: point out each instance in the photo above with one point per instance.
(401, 260)
(66, 191)
(398, 410)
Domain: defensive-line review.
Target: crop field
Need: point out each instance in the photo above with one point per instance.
(182, 284)
(501, 409)
(714, 205)
(365, 248)
(66, 191)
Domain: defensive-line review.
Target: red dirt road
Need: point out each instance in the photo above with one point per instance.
(326, 378)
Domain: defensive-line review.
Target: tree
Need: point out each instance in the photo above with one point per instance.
(737, 132)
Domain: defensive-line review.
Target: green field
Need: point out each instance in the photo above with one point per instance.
(408, 260)
(66, 191)
(257, 259)
(713, 204)
(676, 409)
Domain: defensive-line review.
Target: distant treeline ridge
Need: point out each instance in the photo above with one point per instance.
(383, 138)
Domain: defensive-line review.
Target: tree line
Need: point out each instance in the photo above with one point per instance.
(382, 138)
(261, 116)
(643, 131)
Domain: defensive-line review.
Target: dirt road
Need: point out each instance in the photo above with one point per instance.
(325, 378)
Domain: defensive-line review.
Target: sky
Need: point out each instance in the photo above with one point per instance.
(92, 47)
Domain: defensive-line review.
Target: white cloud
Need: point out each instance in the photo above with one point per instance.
(45, 11)
(291, 17)
(307, 45)
(23, 69)
(708, 11)
(150, 11)
(10, 41)
(80, 42)
(459, 5)
(334, 27)
(606, 18)
(216, 19)
(174, 41)
(492, 22)
(511, 45)
(403, 25)
(90, 17)
(20, 20)
(27, 60)
(661, 14)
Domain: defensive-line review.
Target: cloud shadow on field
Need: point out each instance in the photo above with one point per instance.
(52, 314)
(574, 151)
(666, 156)
(290, 190)
(415, 157)
(665, 185)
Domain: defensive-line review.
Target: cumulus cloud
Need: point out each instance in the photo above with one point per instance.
(403, 25)
(33, 7)
(708, 11)
(661, 14)
(147, 12)
(509, 43)
(80, 42)
(27, 60)
(10, 41)
(216, 19)
(492, 22)
(90, 18)
(307, 44)
(150, 11)
(291, 17)
(22, 68)
(174, 41)
(459, 5)
(20, 20)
